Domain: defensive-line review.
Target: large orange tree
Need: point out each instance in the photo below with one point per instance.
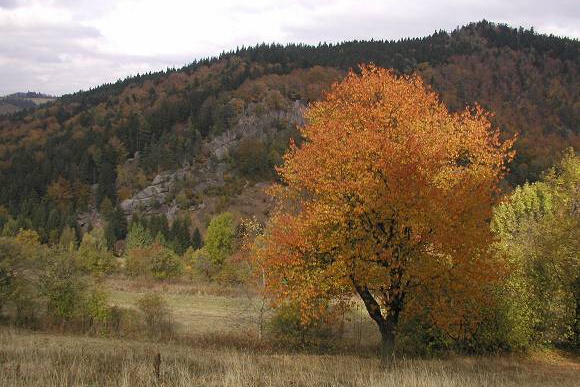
(388, 192)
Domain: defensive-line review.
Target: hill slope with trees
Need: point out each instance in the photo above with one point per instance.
(20, 101)
(174, 141)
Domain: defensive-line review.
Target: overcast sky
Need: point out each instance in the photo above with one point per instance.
(62, 46)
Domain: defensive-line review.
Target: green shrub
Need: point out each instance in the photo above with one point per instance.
(199, 264)
(220, 238)
(138, 237)
(417, 336)
(9, 269)
(26, 305)
(156, 316)
(498, 330)
(98, 310)
(252, 159)
(288, 330)
(93, 254)
(136, 262)
(232, 272)
(156, 261)
(63, 288)
(164, 263)
(537, 230)
(10, 228)
(125, 322)
(18, 267)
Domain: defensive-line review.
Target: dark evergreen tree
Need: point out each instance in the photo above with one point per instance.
(107, 176)
(180, 234)
(158, 225)
(196, 241)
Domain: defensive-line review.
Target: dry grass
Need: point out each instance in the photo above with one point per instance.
(34, 359)
(200, 309)
(176, 286)
(216, 346)
(198, 313)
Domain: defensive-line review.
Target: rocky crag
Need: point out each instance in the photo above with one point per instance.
(210, 172)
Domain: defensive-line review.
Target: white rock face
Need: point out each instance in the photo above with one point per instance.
(152, 196)
(208, 172)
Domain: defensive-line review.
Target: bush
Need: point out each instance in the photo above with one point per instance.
(252, 159)
(46, 288)
(25, 305)
(18, 260)
(220, 238)
(417, 336)
(125, 322)
(164, 263)
(138, 237)
(93, 254)
(156, 261)
(10, 268)
(157, 316)
(136, 262)
(98, 310)
(63, 289)
(498, 329)
(288, 329)
(200, 264)
(537, 229)
(232, 272)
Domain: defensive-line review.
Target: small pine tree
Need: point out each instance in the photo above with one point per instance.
(196, 241)
(158, 224)
(138, 237)
(93, 253)
(68, 239)
(10, 227)
(180, 235)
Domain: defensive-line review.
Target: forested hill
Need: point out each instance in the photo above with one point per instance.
(228, 119)
(19, 101)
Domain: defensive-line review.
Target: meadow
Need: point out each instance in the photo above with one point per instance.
(216, 345)
(40, 359)
(207, 311)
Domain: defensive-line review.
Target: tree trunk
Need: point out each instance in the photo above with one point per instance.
(387, 349)
(387, 324)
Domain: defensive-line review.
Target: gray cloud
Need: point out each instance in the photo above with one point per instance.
(61, 46)
(7, 4)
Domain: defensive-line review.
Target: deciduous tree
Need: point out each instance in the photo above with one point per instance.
(220, 238)
(389, 192)
(538, 226)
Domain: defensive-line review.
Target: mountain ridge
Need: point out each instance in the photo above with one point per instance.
(16, 102)
(82, 148)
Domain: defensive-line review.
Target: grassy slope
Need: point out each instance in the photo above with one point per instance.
(197, 313)
(42, 359)
(199, 310)
(35, 359)
(8, 106)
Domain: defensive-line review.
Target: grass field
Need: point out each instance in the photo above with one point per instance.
(215, 346)
(38, 359)
(200, 311)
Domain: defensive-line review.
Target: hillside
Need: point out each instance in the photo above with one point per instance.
(16, 102)
(197, 140)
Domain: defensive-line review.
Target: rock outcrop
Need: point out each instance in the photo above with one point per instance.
(207, 171)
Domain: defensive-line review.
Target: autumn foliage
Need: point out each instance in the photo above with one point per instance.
(389, 197)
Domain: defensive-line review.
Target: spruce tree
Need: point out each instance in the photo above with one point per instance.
(196, 241)
(138, 237)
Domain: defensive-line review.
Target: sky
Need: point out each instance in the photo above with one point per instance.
(62, 46)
